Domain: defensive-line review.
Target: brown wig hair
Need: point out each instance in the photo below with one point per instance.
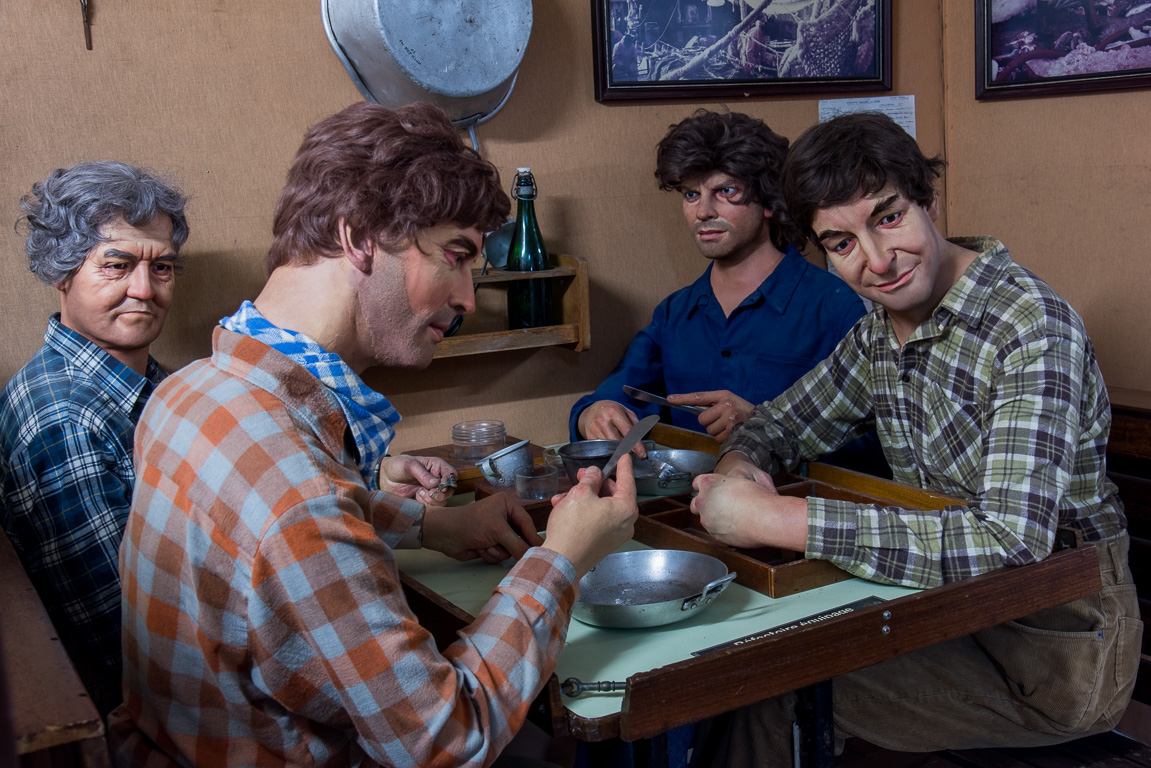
(389, 174)
(851, 155)
(739, 145)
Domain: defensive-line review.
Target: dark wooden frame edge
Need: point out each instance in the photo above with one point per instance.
(604, 91)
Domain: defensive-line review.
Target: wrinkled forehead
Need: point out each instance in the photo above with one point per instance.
(150, 240)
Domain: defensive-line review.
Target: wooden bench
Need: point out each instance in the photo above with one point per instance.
(51, 718)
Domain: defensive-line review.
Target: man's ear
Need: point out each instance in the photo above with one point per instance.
(360, 255)
(933, 209)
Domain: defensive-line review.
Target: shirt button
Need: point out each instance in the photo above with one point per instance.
(725, 353)
(906, 379)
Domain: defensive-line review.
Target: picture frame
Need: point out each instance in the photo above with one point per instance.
(1053, 48)
(671, 49)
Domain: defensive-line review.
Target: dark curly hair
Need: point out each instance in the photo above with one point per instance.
(739, 145)
(855, 154)
(389, 174)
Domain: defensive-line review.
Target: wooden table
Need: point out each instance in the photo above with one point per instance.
(667, 687)
(53, 720)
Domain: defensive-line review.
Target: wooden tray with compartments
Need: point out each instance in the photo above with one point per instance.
(668, 523)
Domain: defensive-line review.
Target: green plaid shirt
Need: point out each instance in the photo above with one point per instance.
(997, 398)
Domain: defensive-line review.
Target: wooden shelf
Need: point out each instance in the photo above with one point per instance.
(575, 331)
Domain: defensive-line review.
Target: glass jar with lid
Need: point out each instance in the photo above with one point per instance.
(473, 440)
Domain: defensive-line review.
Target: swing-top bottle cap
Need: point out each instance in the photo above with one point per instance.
(524, 169)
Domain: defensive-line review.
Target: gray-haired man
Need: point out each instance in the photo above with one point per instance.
(107, 236)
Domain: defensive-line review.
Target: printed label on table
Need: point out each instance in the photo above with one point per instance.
(815, 618)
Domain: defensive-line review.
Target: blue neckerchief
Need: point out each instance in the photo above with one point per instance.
(369, 413)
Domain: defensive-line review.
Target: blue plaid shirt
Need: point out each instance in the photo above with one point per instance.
(66, 425)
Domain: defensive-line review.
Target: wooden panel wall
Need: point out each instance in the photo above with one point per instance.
(1065, 183)
(217, 95)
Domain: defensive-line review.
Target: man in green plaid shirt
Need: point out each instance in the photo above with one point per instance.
(983, 385)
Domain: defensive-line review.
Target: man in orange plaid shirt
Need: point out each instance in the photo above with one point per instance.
(264, 622)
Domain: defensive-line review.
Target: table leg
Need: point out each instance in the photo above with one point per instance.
(815, 726)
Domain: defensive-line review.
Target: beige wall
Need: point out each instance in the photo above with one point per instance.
(217, 95)
(1064, 181)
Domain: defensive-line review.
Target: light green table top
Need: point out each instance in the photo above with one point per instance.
(593, 654)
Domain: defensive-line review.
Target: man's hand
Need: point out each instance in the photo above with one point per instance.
(737, 464)
(741, 512)
(423, 478)
(583, 527)
(493, 528)
(608, 420)
(725, 410)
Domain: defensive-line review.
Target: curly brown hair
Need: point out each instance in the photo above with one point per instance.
(851, 155)
(739, 145)
(388, 174)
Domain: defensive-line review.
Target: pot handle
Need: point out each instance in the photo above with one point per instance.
(489, 470)
(710, 592)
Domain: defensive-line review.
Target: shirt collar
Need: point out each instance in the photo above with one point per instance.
(969, 297)
(776, 289)
(126, 390)
(264, 367)
(370, 416)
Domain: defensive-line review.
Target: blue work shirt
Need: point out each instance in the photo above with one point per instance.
(792, 321)
(66, 425)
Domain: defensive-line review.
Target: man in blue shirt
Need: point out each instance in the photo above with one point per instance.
(758, 318)
(107, 236)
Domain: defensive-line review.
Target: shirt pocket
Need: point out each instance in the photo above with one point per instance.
(949, 435)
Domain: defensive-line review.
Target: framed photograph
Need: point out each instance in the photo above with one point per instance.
(667, 49)
(1046, 47)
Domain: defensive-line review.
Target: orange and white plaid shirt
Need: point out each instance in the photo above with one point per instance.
(264, 622)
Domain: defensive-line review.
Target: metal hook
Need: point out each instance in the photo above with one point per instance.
(87, 24)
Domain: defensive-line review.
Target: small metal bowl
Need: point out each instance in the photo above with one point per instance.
(586, 453)
(670, 471)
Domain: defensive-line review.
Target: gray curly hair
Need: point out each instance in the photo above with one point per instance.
(65, 212)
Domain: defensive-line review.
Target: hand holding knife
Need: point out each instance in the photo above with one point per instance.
(648, 397)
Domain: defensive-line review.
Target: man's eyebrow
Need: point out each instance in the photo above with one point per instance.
(463, 243)
(884, 204)
(168, 256)
(880, 206)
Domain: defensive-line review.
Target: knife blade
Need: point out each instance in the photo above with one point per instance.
(648, 397)
(637, 432)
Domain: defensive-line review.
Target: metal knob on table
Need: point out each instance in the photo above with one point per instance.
(575, 688)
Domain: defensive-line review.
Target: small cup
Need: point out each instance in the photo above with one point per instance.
(538, 481)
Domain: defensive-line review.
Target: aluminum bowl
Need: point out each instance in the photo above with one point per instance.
(585, 453)
(669, 471)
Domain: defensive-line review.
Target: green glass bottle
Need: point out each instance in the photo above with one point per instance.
(531, 303)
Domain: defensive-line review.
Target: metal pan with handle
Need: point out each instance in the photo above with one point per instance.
(649, 588)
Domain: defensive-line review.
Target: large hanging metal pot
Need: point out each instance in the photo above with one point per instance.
(649, 588)
(461, 55)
